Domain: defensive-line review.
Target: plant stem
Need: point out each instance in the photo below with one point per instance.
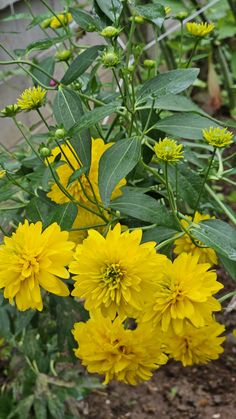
(26, 139)
(170, 240)
(221, 204)
(193, 52)
(42, 117)
(204, 181)
(181, 42)
(225, 297)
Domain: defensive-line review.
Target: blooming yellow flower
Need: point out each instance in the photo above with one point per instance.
(199, 29)
(31, 98)
(185, 244)
(85, 219)
(218, 137)
(65, 171)
(32, 258)
(60, 20)
(116, 273)
(168, 150)
(107, 348)
(196, 345)
(184, 291)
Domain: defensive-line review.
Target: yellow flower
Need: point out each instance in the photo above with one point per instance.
(2, 173)
(218, 137)
(31, 259)
(107, 348)
(60, 20)
(185, 244)
(184, 291)
(85, 219)
(167, 10)
(116, 273)
(31, 98)
(65, 171)
(168, 150)
(199, 29)
(196, 345)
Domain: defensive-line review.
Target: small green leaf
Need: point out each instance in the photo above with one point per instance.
(159, 234)
(44, 43)
(171, 82)
(37, 210)
(23, 408)
(76, 175)
(47, 64)
(81, 64)
(68, 111)
(115, 164)
(93, 117)
(85, 20)
(176, 103)
(64, 215)
(55, 406)
(185, 125)
(218, 235)
(155, 13)
(111, 8)
(229, 265)
(40, 408)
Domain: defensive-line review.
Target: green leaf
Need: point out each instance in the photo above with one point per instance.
(185, 125)
(16, 16)
(23, 408)
(55, 406)
(143, 207)
(37, 210)
(115, 164)
(171, 82)
(85, 20)
(155, 13)
(93, 117)
(159, 234)
(44, 43)
(76, 175)
(81, 64)
(47, 64)
(175, 103)
(5, 322)
(38, 19)
(40, 408)
(22, 320)
(229, 265)
(218, 235)
(64, 215)
(111, 8)
(68, 110)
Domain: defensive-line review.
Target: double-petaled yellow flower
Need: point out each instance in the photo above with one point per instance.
(107, 348)
(32, 259)
(185, 244)
(218, 137)
(168, 150)
(199, 29)
(31, 98)
(60, 20)
(195, 345)
(115, 274)
(184, 292)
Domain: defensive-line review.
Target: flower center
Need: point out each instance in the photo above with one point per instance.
(112, 275)
(29, 266)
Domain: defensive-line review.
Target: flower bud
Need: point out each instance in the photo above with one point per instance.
(137, 19)
(9, 111)
(167, 10)
(60, 133)
(63, 55)
(110, 58)
(45, 23)
(45, 152)
(52, 83)
(149, 63)
(110, 32)
(181, 15)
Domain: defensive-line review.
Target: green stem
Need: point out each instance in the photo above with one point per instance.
(26, 139)
(225, 297)
(181, 43)
(88, 227)
(221, 204)
(204, 181)
(42, 117)
(165, 242)
(193, 52)
(129, 43)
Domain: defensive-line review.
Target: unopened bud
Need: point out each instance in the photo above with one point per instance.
(149, 63)
(45, 152)
(60, 133)
(45, 23)
(110, 58)
(9, 111)
(110, 32)
(63, 55)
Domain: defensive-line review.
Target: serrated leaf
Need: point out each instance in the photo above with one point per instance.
(142, 207)
(93, 117)
(171, 82)
(111, 8)
(115, 164)
(68, 110)
(218, 235)
(185, 125)
(81, 64)
(64, 215)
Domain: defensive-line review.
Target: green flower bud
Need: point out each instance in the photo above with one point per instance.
(110, 32)
(63, 55)
(137, 19)
(60, 133)
(45, 23)
(149, 63)
(181, 15)
(110, 58)
(9, 111)
(45, 152)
